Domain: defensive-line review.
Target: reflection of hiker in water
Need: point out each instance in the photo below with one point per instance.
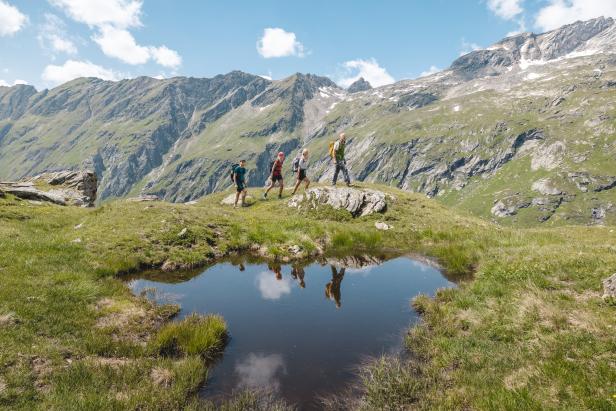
(276, 269)
(332, 289)
(297, 272)
(242, 268)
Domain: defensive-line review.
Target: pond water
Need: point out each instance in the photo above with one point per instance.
(300, 330)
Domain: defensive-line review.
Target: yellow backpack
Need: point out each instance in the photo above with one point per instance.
(332, 152)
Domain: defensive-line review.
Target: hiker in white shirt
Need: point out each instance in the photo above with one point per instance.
(302, 167)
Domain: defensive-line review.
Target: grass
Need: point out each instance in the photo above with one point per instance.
(528, 331)
(194, 335)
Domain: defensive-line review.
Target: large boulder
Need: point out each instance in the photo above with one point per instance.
(66, 187)
(358, 202)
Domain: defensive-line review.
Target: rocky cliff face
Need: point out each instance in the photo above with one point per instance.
(486, 135)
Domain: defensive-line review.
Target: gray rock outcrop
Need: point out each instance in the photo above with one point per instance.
(358, 202)
(67, 187)
(609, 287)
(359, 85)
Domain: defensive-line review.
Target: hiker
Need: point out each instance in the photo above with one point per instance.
(298, 273)
(239, 178)
(332, 289)
(300, 165)
(276, 269)
(276, 175)
(337, 153)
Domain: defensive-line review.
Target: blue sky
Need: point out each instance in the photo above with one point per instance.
(45, 43)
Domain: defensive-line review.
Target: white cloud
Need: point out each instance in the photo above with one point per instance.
(120, 13)
(52, 36)
(560, 12)
(430, 71)
(112, 19)
(277, 42)
(368, 69)
(73, 69)
(165, 56)
(260, 371)
(11, 19)
(468, 47)
(16, 82)
(272, 288)
(506, 9)
(120, 44)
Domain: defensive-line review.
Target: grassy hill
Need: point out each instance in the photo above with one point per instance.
(526, 329)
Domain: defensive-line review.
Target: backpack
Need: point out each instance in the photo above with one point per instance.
(332, 152)
(295, 164)
(232, 175)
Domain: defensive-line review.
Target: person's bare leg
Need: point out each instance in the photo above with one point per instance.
(296, 186)
(244, 197)
(237, 197)
(307, 183)
(281, 188)
(271, 185)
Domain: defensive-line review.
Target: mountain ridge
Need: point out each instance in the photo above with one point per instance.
(178, 137)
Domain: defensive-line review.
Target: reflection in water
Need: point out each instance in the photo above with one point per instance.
(272, 288)
(259, 371)
(332, 289)
(276, 269)
(298, 273)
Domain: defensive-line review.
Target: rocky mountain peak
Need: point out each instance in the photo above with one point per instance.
(582, 37)
(359, 85)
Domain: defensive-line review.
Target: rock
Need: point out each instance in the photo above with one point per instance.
(359, 85)
(546, 187)
(599, 213)
(183, 232)
(295, 249)
(609, 287)
(381, 226)
(500, 209)
(548, 157)
(358, 202)
(66, 187)
(29, 193)
(144, 198)
(230, 199)
(77, 240)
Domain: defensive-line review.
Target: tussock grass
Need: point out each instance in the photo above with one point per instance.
(193, 335)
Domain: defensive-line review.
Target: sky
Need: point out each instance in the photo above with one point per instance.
(48, 42)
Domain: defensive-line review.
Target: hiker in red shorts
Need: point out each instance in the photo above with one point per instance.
(276, 175)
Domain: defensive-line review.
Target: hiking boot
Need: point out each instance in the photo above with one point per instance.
(265, 196)
(280, 196)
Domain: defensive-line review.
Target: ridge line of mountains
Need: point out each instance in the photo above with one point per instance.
(522, 131)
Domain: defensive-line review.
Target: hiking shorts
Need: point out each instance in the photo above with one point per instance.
(276, 177)
(240, 187)
(302, 175)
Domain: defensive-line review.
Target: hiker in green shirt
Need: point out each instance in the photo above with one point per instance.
(239, 178)
(339, 160)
